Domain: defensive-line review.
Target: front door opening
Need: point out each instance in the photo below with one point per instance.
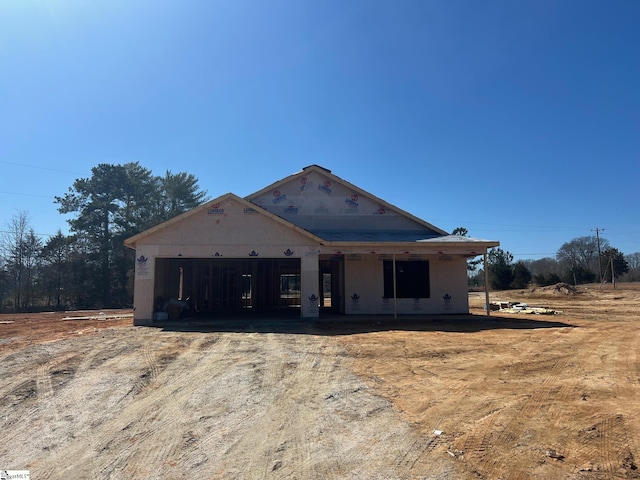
(326, 291)
(332, 284)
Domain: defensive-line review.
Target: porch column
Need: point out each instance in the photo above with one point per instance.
(395, 290)
(310, 285)
(486, 285)
(143, 288)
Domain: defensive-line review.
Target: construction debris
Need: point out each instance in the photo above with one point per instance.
(551, 453)
(517, 307)
(101, 316)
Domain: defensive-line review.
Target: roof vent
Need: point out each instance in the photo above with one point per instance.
(317, 166)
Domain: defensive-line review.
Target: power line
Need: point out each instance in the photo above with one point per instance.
(36, 234)
(39, 168)
(28, 194)
(513, 227)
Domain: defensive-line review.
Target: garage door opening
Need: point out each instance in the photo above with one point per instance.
(213, 286)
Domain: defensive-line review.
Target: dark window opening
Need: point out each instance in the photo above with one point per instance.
(412, 279)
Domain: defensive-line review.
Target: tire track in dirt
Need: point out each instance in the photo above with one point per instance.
(560, 389)
(496, 438)
(171, 413)
(289, 454)
(420, 451)
(609, 429)
(127, 430)
(319, 358)
(92, 359)
(195, 455)
(51, 377)
(215, 439)
(608, 447)
(34, 388)
(273, 371)
(283, 452)
(19, 389)
(347, 407)
(568, 385)
(636, 360)
(633, 420)
(66, 367)
(13, 379)
(174, 409)
(137, 421)
(606, 443)
(337, 409)
(487, 447)
(547, 401)
(43, 381)
(19, 392)
(292, 408)
(604, 448)
(152, 364)
(47, 407)
(477, 444)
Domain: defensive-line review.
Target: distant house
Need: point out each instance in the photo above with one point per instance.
(311, 242)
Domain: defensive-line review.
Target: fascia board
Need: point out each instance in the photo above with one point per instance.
(451, 247)
(273, 186)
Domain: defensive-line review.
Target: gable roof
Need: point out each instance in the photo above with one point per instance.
(355, 222)
(131, 241)
(337, 210)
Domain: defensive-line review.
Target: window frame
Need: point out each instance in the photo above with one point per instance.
(412, 279)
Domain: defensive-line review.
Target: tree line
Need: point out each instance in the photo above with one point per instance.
(582, 260)
(90, 267)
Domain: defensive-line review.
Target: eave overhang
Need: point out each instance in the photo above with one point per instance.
(446, 245)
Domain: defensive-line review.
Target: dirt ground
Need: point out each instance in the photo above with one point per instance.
(85, 395)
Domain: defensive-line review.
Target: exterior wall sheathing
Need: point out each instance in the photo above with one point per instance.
(364, 287)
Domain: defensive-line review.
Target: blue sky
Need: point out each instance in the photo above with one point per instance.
(517, 120)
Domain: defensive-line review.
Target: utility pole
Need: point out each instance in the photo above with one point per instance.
(598, 230)
(613, 273)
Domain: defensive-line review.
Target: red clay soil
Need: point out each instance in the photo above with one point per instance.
(512, 396)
